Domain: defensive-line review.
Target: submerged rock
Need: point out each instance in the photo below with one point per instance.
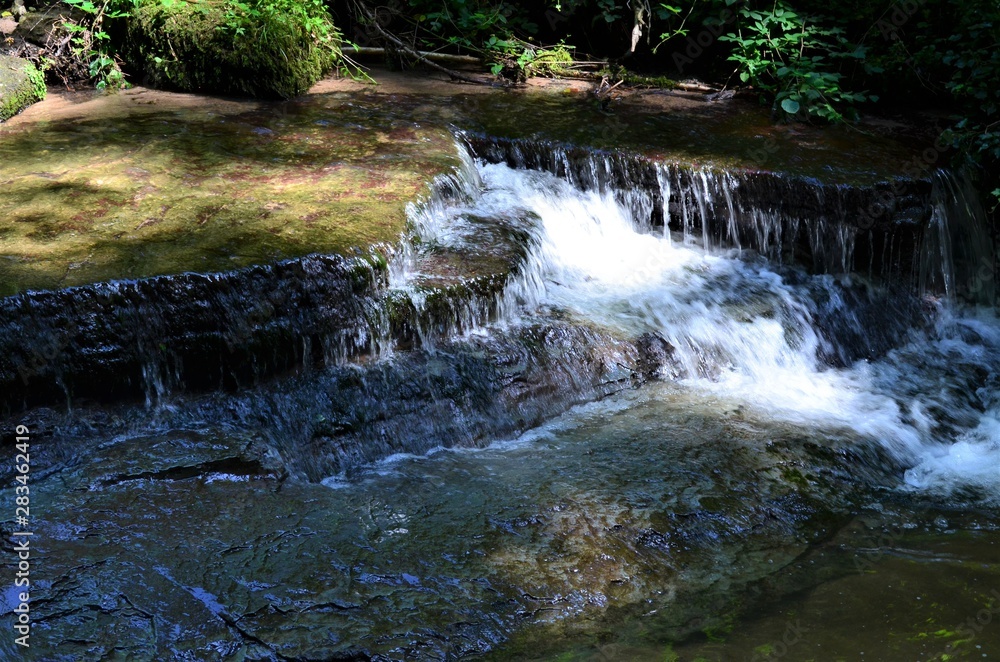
(650, 507)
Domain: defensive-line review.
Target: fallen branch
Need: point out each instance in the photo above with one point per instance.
(416, 54)
(435, 57)
(696, 87)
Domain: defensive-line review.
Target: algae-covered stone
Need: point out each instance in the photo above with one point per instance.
(231, 48)
(21, 85)
(166, 190)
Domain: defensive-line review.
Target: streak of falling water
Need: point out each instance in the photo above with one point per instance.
(741, 326)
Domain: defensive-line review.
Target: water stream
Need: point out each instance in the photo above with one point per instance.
(814, 440)
(915, 375)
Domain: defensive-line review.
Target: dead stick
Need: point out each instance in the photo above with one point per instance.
(420, 58)
(439, 57)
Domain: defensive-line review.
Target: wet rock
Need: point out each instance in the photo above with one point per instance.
(38, 24)
(156, 187)
(655, 356)
(141, 339)
(433, 557)
(465, 394)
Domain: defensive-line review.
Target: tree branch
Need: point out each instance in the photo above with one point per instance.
(416, 54)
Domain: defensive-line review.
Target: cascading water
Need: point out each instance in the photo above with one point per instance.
(458, 448)
(742, 327)
(791, 397)
(957, 257)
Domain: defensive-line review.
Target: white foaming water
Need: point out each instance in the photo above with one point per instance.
(740, 329)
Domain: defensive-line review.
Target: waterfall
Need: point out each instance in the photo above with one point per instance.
(957, 253)
(749, 285)
(787, 219)
(820, 348)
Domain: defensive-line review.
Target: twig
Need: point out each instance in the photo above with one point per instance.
(416, 54)
(439, 57)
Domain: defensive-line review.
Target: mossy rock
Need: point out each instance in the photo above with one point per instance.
(167, 189)
(21, 85)
(222, 48)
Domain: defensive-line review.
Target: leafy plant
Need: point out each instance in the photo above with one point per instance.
(516, 58)
(92, 44)
(465, 24)
(794, 59)
(667, 13)
(260, 19)
(963, 56)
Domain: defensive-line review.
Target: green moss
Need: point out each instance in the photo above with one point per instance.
(228, 47)
(160, 193)
(21, 85)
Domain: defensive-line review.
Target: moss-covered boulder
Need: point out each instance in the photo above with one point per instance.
(274, 50)
(21, 85)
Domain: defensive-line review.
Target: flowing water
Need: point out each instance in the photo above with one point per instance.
(779, 340)
(814, 475)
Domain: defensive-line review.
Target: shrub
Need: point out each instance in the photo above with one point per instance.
(794, 60)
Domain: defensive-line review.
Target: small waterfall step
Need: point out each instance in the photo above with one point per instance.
(828, 227)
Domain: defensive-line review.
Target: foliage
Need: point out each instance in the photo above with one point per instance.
(975, 83)
(971, 71)
(667, 13)
(92, 44)
(264, 20)
(794, 59)
(258, 41)
(467, 24)
(515, 58)
(497, 31)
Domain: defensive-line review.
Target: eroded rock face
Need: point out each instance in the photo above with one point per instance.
(21, 85)
(134, 339)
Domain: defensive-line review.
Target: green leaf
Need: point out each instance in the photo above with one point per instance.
(790, 106)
